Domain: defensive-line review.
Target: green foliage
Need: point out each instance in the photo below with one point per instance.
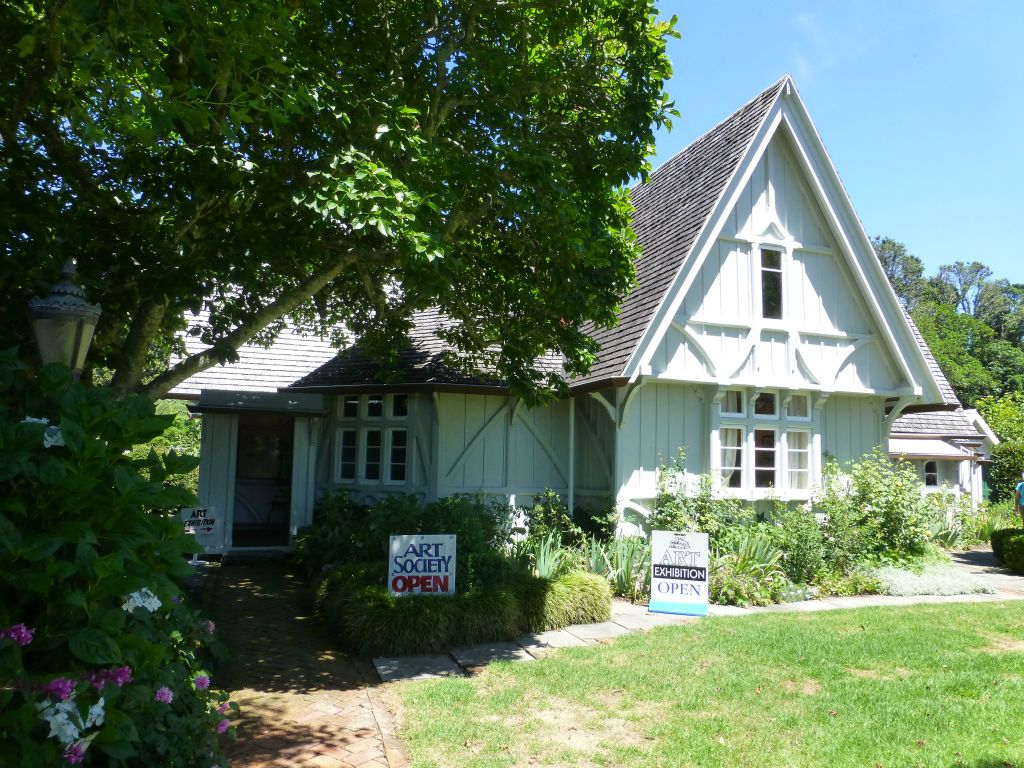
(1000, 538)
(1004, 415)
(546, 557)
(956, 340)
(1007, 466)
(748, 571)
(343, 532)
(182, 436)
(1013, 554)
(675, 509)
(550, 517)
(875, 513)
(904, 270)
(369, 621)
(979, 526)
(934, 579)
(93, 553)
(835, 583)
(597, 522)
(267, 159)
(800, 539)
(625, 562)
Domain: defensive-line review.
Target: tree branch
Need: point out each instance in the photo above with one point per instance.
(244, 333)
(145, 324)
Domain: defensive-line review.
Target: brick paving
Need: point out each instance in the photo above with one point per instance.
(303, 703)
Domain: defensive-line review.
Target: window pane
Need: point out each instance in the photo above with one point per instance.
(350, 409)
(397, 462)
(765, 405)
(400, 406)
(764, 458)
(371, 465)
(799, 407)
(771, 294)
(771, 260)
(931, 473)
(347, 454)
(375, 406)
(732, 457)
(733, 402)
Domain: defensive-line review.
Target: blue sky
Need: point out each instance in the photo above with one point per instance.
(920, 105)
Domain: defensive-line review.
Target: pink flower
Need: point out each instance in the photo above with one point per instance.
(164, 695)
(19, 633)
(225, 707)
(75, 753)
(210, 627)
(223, 725)
(202, 682)
(121, 676)
(60, 687)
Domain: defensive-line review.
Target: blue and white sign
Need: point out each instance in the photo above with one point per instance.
(679, 573)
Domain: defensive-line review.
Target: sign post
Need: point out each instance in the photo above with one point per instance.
(203, 523)
(679, 573)
(422, 564)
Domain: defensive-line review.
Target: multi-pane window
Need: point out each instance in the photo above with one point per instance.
(732, 403)
(347, 447)
(369, 448)
(765, 458)
(771, 284)
(766, 404)
(732, 456)
(798, 459)
(398, 455)
(798, 407)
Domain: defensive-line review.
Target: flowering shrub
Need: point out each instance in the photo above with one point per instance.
(101, 660)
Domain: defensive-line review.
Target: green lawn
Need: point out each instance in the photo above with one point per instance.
(939, 685)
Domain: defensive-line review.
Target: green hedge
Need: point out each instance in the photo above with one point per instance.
(999, 539)
(1013, 552)
(369, 621)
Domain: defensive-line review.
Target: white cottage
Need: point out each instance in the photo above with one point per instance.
(763, 337)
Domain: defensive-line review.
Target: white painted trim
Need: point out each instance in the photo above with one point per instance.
(481, 433)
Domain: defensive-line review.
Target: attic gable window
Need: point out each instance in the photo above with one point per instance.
(771, 284)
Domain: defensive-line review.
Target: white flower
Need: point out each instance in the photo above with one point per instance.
(52, 436)
(64, 720)
(142, 599)
(95, 716)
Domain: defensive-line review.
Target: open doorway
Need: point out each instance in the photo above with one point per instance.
(263, 480)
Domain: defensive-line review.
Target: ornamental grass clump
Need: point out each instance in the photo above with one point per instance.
(100, 656)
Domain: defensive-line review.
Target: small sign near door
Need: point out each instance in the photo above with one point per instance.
(422, 564)
(200, 520)
(679, 573)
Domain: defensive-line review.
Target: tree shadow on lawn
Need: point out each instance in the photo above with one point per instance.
(988, 762)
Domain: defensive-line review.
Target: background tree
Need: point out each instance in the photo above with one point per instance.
(904, 270)
(336, 162)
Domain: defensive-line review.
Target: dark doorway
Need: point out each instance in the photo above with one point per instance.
(263, 480)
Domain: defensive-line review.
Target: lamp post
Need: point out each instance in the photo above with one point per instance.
(63, 322)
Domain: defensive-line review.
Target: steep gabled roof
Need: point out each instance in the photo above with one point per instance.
(949, 399)
(672, 208)
(936, 424)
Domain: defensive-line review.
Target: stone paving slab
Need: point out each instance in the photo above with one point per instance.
(647, 621)
(485, 653)
(416, 667)
(605, 630)
(538, 644)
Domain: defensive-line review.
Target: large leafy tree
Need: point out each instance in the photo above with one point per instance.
(346, 161)
(904, 270)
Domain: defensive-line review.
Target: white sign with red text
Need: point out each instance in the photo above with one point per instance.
(422, 564)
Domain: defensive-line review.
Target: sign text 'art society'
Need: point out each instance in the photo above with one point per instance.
(422, 564)
(679, 573)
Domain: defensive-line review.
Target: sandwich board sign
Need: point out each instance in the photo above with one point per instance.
(422, 564)
(205, 525)
(679, 573)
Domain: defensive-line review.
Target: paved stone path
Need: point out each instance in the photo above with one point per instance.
(303, 703)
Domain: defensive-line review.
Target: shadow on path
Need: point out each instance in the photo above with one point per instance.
(981, 562)
(302, 701)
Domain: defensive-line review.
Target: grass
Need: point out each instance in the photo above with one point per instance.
(936, 685)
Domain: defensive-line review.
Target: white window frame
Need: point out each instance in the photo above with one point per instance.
(766, 416)
(743, 404)
(744, 449)
(810, 410)
(362, 424)
(786, 468)
(754, 450)
(781, 272)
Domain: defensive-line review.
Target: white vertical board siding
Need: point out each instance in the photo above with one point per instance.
(852, 427)
(472, 436)
(303, 460)
(662, 417)
(595, 450)
(217, 456)
(539, 445)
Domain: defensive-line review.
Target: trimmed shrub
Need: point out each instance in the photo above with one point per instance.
(999, 539)
(1013, 554)
(369, 621)
(1007, 465)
